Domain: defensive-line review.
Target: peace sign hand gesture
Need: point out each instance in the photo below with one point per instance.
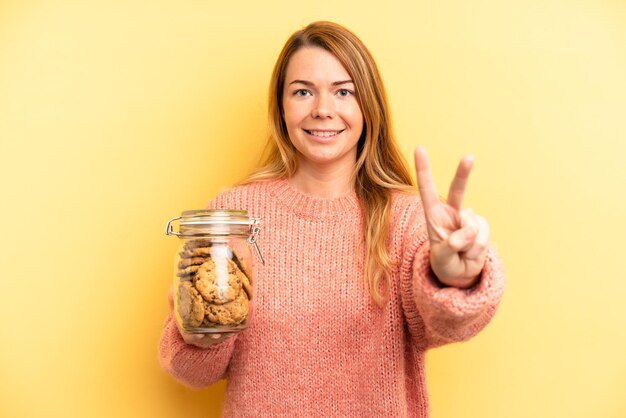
(458, 237)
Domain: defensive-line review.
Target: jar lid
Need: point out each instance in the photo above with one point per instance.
(212, 221)
(216, 216)
(216, 222)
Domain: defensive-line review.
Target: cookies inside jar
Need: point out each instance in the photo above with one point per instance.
(214, 286)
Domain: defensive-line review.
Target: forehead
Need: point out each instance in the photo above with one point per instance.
(315, 64)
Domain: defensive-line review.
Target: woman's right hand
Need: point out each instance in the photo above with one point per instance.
(198, 340)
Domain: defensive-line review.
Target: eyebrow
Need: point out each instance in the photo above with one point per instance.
(309, 83)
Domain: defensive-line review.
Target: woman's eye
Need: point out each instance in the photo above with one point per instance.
(301, 92)
(345, 92)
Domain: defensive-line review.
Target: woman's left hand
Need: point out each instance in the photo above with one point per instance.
(458, 237)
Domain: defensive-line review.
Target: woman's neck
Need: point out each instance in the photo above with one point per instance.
(324, 183)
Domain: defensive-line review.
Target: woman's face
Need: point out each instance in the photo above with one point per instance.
(322, 115)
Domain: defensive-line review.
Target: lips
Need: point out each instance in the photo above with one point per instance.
(324, 133)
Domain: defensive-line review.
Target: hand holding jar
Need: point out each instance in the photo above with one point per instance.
(199, 340)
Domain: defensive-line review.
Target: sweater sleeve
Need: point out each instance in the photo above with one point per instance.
(193, 366)
(437, 314)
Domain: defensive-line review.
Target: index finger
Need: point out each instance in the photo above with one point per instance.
(425, 182)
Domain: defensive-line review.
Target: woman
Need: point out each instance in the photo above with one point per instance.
(361, 276)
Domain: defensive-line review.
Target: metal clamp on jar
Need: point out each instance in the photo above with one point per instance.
(213, 277)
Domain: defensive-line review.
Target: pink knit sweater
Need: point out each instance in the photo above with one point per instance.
(317, 346)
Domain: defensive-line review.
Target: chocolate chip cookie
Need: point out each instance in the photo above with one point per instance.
(190, 305)
(231, 313)
(218, 281)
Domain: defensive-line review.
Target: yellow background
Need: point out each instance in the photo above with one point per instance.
(116, 116)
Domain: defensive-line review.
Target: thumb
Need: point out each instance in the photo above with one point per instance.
(170, 297)
(461, 239)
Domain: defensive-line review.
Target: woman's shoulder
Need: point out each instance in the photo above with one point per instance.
(406, 210)
(407, 217)
(240, 195)
(405, 200)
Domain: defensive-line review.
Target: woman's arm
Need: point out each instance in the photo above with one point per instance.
(192, 365)
(437, 314)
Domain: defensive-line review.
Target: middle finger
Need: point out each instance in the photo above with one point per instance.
(459, 183)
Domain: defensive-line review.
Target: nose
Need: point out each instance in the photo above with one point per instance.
(324, 107)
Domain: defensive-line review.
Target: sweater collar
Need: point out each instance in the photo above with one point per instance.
(313, 207)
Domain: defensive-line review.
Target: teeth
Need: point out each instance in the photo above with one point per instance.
(324, 134)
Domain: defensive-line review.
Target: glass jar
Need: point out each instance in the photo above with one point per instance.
(213, 270)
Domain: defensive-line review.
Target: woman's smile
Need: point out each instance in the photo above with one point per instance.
(323, 134)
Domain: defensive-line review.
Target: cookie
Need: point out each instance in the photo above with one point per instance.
(239, 263)
(195, 252)
(187, 271)
(200, 242)
(247, 286)
(190, 305)
(218, 282)
(193, 261)
(208, 324)
(231, 313)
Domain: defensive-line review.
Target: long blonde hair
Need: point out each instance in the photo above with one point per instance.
(379, 167)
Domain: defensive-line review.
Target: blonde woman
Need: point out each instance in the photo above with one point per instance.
(362, 275)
